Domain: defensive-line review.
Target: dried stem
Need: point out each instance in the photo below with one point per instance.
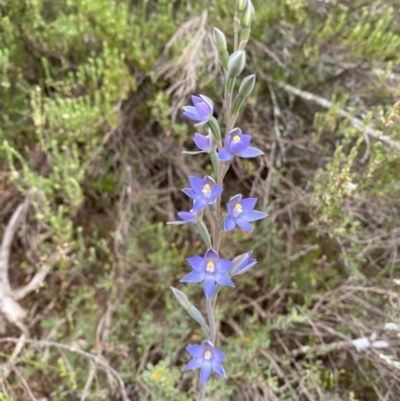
(100, 361)
(356, 122)
(12, 311)
(8, 236)
(202, 394)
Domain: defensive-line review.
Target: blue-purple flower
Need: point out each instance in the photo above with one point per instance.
(203, 142)
(211, 269)
(237, 143)
(187, 217)
(204, 191)
(244, 263)
(207, 358)
(202, 109)
(240, 212)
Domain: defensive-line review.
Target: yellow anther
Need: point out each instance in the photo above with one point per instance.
(236, 138)
(237, 210)
(206, 190)
(208, 355)
(210, 267)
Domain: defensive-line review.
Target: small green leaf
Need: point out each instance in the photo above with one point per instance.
(205, 235)
(214, 161)
(191, 309)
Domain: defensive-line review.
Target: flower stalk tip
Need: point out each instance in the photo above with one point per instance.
(236, 63)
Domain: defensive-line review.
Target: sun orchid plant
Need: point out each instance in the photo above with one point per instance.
(211, 270)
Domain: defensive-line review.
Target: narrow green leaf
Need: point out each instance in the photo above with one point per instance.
(214, 161)
(205, 235)
(214, 126)
(191, 309)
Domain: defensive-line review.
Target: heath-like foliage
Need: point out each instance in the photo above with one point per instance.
(212, 270)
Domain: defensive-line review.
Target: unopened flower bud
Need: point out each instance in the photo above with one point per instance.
(181, 297)
(220, 43)
(240, 5)
(247, 85)
(236, 63)
(219, 40)
(248, 15)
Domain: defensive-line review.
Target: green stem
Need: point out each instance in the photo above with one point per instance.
(202, 392)
(236, 22)
(211, 320)
(228, 100)
(218, 209)
(216, 235)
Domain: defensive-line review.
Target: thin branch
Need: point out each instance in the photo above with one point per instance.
(8, 236)
(101, 362)
(24, 383)
(343, 345)
(356, 122)
(13, 312)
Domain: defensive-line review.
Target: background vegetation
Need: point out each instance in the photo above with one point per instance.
(91, 136)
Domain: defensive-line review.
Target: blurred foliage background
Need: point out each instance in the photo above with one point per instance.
(91, 135)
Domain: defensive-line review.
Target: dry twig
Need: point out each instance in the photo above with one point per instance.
(100, 361)
(356, 122)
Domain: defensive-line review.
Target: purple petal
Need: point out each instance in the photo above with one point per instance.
(194, 364)
(193, 277)
(231, 134)
(248, 204)
(253, 215)
(196, 100)
(204, 110)
(196, 183)
(227, 141)
(217, 367)
(189, 192)
(244, 262)
(246, 140)
(196, 350)
(223, 266)
(202, 142)
(250, 152)
(211, 255)
(187, 216)
(218, 356)
(245, 267)
(229, 223)
(223, 279)
(197, 263)
(243, 224)
(216, 191)
(199, 204)
(209, 180)
(208, 101)
(234, 200)
(209, 285)
(205, 372)
(191, 113)
(236, 147)
(224, 155)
